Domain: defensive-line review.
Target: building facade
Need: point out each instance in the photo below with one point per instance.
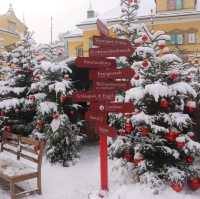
(178, 18)
(11, 29)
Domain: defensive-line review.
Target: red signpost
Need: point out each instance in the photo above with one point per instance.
(113, 107)
(106, 81)
(95, 63)
(103, 29)
(93, 96)
(111, 52)
(126, 73)
(111, 85)
(111, 42)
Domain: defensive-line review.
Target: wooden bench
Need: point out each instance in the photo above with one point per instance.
(14, 170)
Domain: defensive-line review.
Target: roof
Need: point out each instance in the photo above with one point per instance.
(73, 34)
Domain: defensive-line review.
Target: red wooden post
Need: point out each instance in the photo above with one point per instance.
(104, 162)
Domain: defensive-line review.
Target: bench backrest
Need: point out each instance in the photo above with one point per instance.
(24, 147)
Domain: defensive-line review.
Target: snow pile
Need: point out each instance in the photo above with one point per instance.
(11, 103)
(47, 107)
(4, 90)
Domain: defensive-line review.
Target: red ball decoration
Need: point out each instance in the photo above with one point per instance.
(66, 77)
(189, 159)
(128, 126)
(122, 132)
(189, 78)
(176, 186)
(32, 98)
(145, 63)
(138, 158)
(180, 143)
(144, 38)
(137, 44)
(56, 116)
(128, 156)
(194, 183)
(191, 106)
(40, 123)
(161, 46)
(173, 76)
(144, 131)
(191, 135)
(172, 135)
(2, 113)
(136, 77)
(164, 104)
(7, 129)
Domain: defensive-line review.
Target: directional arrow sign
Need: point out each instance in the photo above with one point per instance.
(95, 117)
(111, 74)
(106, 130)
(103, 29)
(111, 52)
(95, 63)
(111, 85)
(93, 96)
(113, 107)
(110, 42)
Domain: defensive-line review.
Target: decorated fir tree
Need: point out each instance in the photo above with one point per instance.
(53, 118)
(16, 109)
(159, 139)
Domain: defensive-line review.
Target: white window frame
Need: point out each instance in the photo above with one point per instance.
(192, 38)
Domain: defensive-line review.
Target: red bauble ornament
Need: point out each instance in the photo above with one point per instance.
(128, 126)
(137, 44)
(189, 159)
(164, 104)
(136, 77)
(122, 132)
(161, 46)
(32, 98)
(180, 142)
(128, 156)
(40, 123)
(138, 158)
(145, 63)
(172, 135)
(56, 116)
(7, 129)
(176, 186)
(191, 135)
(144, 131)
(173, 76)
(194, 183)
(189, 78)
(66, 77)
(191, 106)
(144, 38)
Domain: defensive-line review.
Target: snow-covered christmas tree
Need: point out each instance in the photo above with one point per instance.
(16, 110)
(158, 141)
(52, 87)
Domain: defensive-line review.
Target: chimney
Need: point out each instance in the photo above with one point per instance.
(91, 13)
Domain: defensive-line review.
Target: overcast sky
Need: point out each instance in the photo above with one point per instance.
(66, 13)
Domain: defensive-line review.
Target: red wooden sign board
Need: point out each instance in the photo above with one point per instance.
(113, 107)
(100, 118)
(85, 96)
(111, 42)
(103, 29)
(111, 52)
(111, 85)
(95, 63)
(106, 130)
(126, 73)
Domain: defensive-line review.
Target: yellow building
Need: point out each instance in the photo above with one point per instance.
(179, 18)
(11, 29)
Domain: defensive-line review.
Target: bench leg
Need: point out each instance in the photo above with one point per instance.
(39, 184)
(12, 190)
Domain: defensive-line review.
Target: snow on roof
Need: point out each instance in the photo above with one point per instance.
(73, 33)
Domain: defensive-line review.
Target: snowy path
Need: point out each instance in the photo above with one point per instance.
(76, 182)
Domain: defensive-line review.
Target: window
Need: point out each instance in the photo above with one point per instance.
(177, 39)
(79, 52)
(175, 4)
(191, 38)
(12, 26)
(90, 42)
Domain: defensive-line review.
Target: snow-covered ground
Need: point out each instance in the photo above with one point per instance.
(82, 182)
